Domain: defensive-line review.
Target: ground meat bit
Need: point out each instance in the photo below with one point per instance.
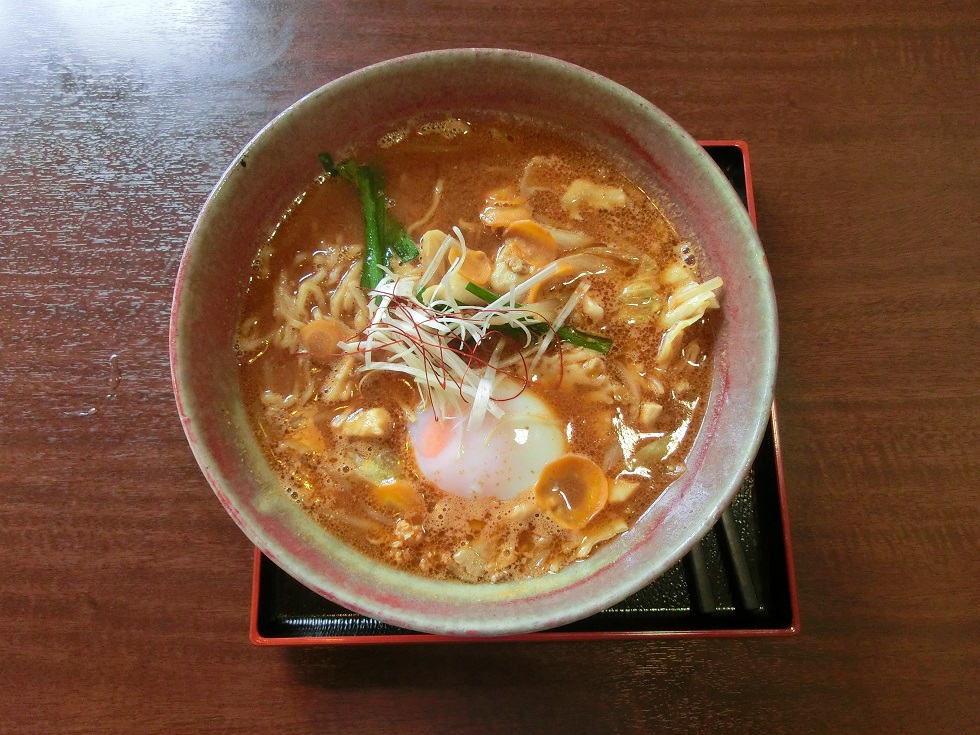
(517, 266)
(433, 561)
(407, 536)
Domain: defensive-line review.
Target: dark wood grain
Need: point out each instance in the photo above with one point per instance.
(124, 587)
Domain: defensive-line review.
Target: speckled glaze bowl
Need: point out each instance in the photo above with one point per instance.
(282, 159)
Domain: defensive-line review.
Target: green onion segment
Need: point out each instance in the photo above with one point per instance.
(383, 234)
(565, 334)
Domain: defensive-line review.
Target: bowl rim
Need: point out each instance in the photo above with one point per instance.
(416, 619)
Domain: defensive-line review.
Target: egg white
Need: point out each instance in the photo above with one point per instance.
(501, 458)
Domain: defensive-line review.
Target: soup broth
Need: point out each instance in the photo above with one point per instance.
(510, 398)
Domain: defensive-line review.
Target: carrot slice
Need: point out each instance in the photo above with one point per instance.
(476, 267)
(572, 490)
(400, 496)
(320, 337)
(532, 242)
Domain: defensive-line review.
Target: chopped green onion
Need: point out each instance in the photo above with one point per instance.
(584, 339)
(479, 291)
(392, 233)
(565, 334)
(403, 245)
(375, 252)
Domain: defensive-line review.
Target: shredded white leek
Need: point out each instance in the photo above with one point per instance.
(685, 306)
(408, 335)
(509, 299)
(484, 390)
(559, 321)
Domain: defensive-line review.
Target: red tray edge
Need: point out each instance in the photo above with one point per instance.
(794, 628)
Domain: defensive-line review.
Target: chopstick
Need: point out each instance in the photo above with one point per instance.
(727, 531)
(699, 582)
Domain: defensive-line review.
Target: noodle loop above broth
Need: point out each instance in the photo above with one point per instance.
(498, 389)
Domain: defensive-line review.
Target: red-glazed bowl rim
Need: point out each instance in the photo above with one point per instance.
(257, 186)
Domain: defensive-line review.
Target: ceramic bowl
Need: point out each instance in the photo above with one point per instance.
(282, 159)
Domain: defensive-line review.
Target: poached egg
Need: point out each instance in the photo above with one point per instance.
(500, 458)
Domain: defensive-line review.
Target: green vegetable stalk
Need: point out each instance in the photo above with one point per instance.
(565, 334)
(383, 234)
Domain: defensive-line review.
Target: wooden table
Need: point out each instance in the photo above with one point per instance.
(125, 586)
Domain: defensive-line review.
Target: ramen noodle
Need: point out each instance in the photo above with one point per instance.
(507, 387)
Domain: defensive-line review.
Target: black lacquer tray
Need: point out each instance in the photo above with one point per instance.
(737, 581)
